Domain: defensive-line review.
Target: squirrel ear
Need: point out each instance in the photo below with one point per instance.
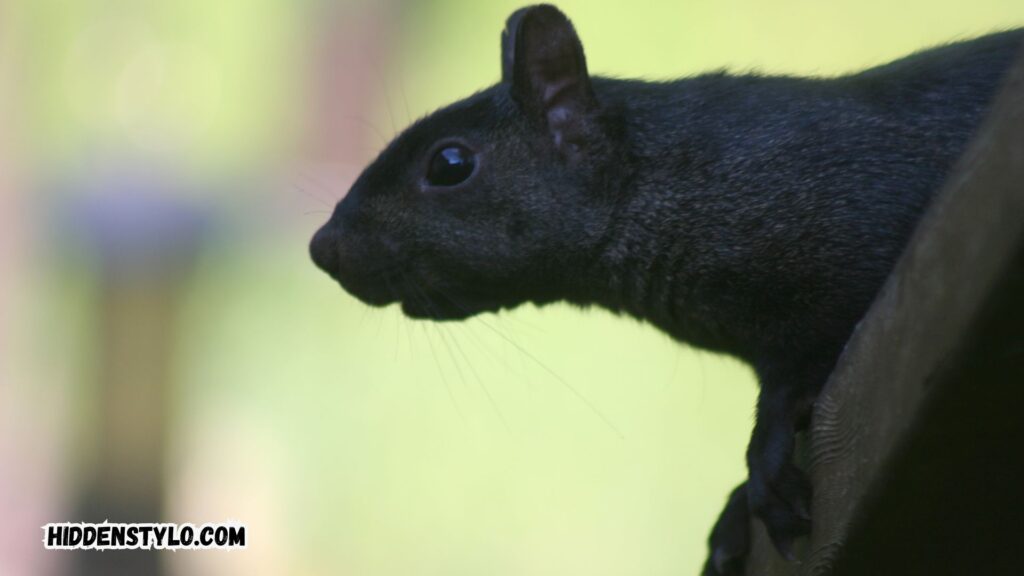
(543, 62)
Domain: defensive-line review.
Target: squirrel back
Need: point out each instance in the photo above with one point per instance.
(763, 205)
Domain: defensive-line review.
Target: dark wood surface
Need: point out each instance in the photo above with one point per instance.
(917, 444)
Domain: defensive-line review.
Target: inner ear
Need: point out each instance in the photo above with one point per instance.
(543, 61)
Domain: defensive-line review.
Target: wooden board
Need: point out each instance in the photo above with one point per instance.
(917, 444)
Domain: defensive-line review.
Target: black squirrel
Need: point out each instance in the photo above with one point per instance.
(751, 215)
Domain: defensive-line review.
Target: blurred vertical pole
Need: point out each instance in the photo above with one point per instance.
(354, 104)
(146, 242)
(23, 482)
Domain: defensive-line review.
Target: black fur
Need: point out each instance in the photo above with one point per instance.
(756, 216)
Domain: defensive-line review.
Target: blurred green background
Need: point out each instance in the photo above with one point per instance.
(162, 166)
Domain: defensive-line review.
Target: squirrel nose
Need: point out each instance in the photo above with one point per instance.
(323, 248)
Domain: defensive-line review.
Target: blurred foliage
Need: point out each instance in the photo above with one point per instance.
(208, 83)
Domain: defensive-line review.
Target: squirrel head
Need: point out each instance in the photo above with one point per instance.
(495, 200)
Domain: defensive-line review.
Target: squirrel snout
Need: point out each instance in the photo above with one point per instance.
(323, 248)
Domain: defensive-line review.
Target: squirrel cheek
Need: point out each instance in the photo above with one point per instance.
(516, 228)
(390, 246)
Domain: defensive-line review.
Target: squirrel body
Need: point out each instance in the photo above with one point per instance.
(752, 215)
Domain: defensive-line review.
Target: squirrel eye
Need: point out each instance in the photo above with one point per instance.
(451, 165)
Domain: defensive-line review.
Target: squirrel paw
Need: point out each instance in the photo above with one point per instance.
(730, 538)
(781, 498)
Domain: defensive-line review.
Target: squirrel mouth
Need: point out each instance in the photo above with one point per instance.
(375, 290)
(431, 304)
